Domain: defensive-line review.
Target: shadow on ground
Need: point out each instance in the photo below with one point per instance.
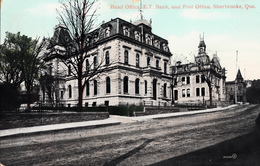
(130, 153)
(243, 150)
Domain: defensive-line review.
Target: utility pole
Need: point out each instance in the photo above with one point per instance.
(1, 2)
(236, 79)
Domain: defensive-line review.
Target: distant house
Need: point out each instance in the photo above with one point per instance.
(189, 84)
(236, 90)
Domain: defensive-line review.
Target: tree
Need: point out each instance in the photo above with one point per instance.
(10, 62)
(253, 92)
(24, 53)
(78, 17)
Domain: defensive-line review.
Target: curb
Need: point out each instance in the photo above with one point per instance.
(57, 127)
(98, 123)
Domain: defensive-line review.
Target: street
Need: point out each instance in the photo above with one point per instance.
(139, 143)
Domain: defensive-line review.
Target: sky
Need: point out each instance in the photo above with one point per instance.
(228, 26)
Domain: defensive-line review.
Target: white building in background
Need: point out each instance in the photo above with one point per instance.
(189, 82)
(137, 68)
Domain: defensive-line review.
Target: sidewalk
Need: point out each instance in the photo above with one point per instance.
(112, 120)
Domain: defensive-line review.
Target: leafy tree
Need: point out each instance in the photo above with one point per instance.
(253, 92)
(78, 16)
(10, 62)
(24, 63)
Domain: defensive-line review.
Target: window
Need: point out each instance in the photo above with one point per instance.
(188, 80)
(95, 62)
(107, 58)
(176, 95)
(108, 87)
(183, 80)
(183, 92)
(125, 84)
(126, 31)
(137, 82)
(197, 79)
(107, 32)
(165, 67)
(137, 35)
(145, 87)
(197, 91)
(148, 61)
(202, 78)
(157, 64)
(188, 92)
(87, 88)
(126, 56)
(70, 91)
(87, 64)
(137, 60)
(202, 91)
(239, 88)
(50, 70)
(61, 94)
(69, 70)
(95, 87)
(231, 89)
(165, 90)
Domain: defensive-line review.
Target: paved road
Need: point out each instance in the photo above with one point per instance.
(139, 143)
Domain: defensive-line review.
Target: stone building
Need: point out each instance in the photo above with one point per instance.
(236, 88)
(136, 61)
(190, 80)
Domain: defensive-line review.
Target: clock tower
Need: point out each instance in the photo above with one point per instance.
(202, 46)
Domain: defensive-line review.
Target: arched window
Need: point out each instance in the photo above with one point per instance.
(148, 61)
(145, 87)
(95, 62)
(70, 91)
(126, 54)
(107, 32)
(87, 88)
(197, 91)
(137, 82)
(125, 84)
(108, 86)
(95, 87)
(107, 58)
(137, 60)
(165, 90)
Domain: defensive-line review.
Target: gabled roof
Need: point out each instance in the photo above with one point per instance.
(239, 76)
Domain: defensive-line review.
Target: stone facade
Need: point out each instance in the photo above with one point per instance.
(135, 61)
(190, 80)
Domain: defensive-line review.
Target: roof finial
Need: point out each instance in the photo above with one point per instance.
(141, 11)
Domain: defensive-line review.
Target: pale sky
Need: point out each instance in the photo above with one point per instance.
(225, 30)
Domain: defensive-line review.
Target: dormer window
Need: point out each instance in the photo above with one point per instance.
(126, 31)
(137, 36)
(95, 37)
(148, 39)
(107, 32)
(165, 47)
(157, 43)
